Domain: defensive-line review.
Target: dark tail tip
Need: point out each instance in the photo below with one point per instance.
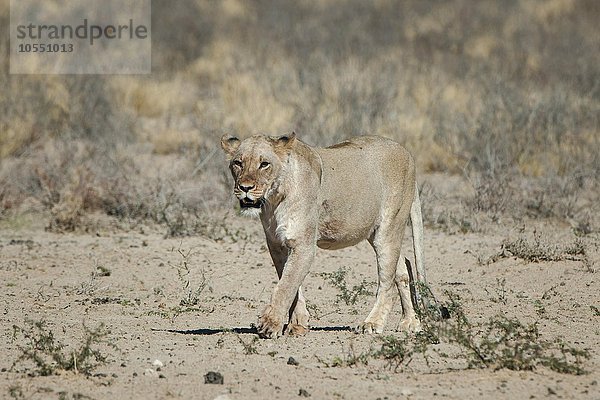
(444, 312)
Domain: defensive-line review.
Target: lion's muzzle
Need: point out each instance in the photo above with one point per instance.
(246, 202)
(247, 198)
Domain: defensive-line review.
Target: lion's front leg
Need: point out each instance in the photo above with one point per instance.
(287, 295)
(299, 316)
(269, 325)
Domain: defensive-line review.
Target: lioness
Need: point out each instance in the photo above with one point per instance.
(334, 197)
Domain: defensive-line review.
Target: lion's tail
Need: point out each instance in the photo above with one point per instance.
(416, 222)
(422, 294)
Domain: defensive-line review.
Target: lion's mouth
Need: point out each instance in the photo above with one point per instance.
(248, 203)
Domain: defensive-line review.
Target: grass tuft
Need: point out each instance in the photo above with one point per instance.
(498, 343)
(349, 295)
(44, 355)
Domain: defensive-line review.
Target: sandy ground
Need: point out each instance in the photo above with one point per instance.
(134, 280)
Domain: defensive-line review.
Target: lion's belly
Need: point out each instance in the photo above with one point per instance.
(328, 243)
(343, 229)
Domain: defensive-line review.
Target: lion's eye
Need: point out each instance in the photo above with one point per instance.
(237, 163)
(264, 164)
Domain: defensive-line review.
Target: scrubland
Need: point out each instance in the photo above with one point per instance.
(503, 94)
(498, 101)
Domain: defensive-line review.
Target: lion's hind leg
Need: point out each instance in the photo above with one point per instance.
(410, 322)
(385, 242)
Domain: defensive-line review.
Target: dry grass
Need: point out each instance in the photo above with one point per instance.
(507, 94)
(497, 343)
(39, 347)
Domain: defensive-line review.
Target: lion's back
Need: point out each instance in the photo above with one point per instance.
(367, 160)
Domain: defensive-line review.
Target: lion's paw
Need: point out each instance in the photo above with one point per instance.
(369, 327)
(296, 330)
(269, 327)
(410, 324)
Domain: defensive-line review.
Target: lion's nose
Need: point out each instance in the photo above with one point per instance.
(246, 188)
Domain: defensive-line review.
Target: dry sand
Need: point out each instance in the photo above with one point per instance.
(129, 280)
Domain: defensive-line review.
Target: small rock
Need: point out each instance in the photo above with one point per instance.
(303, 393)
(151, 373)
(157, 363)
(444, 312)
(214, 378)
(292, 361)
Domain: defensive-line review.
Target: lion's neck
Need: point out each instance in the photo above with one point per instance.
(293, 193)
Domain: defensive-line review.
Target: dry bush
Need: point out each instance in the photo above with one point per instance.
(499, 342)
(539, 249)
(478, 97)
(350, 296)
(506, 93)
(73, 179)
(40, 348)
(179, 32)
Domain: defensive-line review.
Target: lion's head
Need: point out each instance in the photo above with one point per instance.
(255, 165)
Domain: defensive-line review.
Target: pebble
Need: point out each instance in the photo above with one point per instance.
(151, 373)
(213, 378)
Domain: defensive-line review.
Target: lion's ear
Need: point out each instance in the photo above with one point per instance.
(230, 144)
(285, 141)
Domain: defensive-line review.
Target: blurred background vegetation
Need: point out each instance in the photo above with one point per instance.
(504, 94)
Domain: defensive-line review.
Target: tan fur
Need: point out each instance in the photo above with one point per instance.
(361, 189)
